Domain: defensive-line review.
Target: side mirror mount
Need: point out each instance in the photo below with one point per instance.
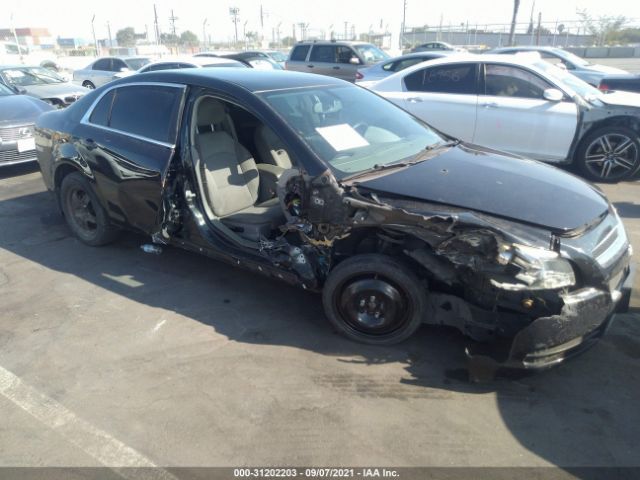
(124, 69)
(354, 61)
(553, 95)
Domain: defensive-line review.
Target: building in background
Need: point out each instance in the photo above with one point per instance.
(32, 38)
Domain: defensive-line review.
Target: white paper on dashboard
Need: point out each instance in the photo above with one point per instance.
(342, 137)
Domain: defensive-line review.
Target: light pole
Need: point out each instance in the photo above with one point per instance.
(244, 34)
(93, 29)
(204, 33)
(234, 12)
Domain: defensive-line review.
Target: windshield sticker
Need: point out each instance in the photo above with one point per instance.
(342, 137)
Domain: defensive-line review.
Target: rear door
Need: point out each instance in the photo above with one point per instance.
(445, 96)
(514, 116)
(323, 60)
(101, 69)
(297, 60)
(128, 138)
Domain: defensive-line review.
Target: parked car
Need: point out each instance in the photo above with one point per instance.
(18, 114)
(333, 58)
(367, 76)
(437, 46)
(259, 60)
(277, 56)
(41, 83)
(325, 185)
(184, 62)
(583, 69)
(102, 70)
(525, 107)
(627, 83)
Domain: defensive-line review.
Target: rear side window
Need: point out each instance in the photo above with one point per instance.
(149, 111)
(100, 114)
(299, 53)
(103, 64)
(323, 53)
(458, 78)
(508, 81)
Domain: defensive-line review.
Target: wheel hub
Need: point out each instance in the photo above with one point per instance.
(372, 306)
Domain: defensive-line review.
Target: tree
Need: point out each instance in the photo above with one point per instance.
(189, 38)
(626, 35)
(169, 39)
(512, 32)
(604, 27)
(288, 41)
(126, 37)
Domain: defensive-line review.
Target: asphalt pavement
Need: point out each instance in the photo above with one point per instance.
(110, 356)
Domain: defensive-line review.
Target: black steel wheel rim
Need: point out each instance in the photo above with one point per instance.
(611, 156)
(81, 211)
(372, 305)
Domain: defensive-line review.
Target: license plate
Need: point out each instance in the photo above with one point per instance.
(26, 144)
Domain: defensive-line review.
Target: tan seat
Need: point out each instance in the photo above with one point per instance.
(230, 178)
(270, 148)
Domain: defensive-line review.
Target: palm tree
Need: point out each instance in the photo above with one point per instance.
(512, 33)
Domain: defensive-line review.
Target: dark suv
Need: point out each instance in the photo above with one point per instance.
(333, 58)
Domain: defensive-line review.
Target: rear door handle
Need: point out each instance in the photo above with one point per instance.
(336, 68)
(490, 105)
(310, 66)
(414, 99)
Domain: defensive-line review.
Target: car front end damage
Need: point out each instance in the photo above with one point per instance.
(526, 296)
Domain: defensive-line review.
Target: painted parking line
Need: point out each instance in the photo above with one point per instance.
(104, 448)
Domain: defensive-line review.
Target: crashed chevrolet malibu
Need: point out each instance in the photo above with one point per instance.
(327, 186)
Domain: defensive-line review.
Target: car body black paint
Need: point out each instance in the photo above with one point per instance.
(152, 189)
(518, 189)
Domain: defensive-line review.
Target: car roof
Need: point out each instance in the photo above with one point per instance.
(440, 53)
(528, 47)
(249, 79)
(331, 42)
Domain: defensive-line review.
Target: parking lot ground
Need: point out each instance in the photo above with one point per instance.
(110, 356)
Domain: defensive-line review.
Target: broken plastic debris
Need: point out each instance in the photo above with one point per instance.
(149, 248)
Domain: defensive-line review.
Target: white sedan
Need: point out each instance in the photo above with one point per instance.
(524, 106)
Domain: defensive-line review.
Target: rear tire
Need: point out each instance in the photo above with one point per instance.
(82, 210)
(374, 299)
(609, 154)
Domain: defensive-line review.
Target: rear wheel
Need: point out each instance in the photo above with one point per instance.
(84, 214)
(609, 154)
(88, 84)
(374, 299)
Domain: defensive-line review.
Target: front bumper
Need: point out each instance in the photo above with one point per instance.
(547, 341)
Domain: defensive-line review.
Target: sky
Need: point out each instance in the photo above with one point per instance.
(68, 18)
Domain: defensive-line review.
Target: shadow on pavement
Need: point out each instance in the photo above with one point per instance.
(581, 414)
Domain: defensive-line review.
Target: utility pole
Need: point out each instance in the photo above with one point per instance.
(346, 26)
(261, 23)
(93, 29)
(235, 12)
(244, 33)
(539, 27)
(404, 19)
(204, 33)
(15, 35)
(156, 28)
(109, 31)
(172, 20)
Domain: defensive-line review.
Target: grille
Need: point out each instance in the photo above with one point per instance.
(12, 156)
(11, 134)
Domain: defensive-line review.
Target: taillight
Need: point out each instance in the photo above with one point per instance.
(604, 87)
(359, 76)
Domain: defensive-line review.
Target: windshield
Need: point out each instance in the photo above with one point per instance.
(227, 65)
(23, 77)
(4, 91)
(136, 63)
(570, 57)
(350, 128)
(263, 64)
(574, 83)
(371, 53)
(278, 56)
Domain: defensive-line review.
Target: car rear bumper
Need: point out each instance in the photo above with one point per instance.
(548, 341)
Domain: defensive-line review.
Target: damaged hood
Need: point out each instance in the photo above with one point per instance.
(484, 180)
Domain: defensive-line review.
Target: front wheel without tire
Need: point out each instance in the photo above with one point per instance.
(88, 84)
(374, 299)
(609, 154)
(82, 210)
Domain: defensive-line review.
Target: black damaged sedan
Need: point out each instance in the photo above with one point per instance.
(325, 185)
